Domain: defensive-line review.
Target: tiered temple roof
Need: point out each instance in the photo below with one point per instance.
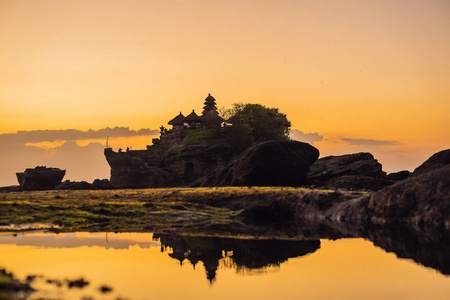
(210, 105)
(209, 115)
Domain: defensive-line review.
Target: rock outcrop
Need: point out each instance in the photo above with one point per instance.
(40, 178)
(167, 164)
(357, 182)
(74, 185)
(399, 176)
(423, 200)
(102, 184)
(351, 171)
(273, 163)
(437, 160)
(420, 199)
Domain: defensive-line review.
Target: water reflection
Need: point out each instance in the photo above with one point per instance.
(134, 266)
(238, 253)
(75, 240)
(430, 249)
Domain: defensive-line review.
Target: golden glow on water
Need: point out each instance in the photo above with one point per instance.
(135, 267)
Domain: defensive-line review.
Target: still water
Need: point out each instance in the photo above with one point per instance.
(151, 266)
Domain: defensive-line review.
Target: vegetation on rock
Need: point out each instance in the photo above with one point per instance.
(204, 133)
(261, 122)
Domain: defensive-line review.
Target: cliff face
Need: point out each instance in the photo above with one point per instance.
(167, 164)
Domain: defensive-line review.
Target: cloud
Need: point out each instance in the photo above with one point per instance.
(81, 162)
(368, 142)
(298, 135)
(37, 136)
(21, 150)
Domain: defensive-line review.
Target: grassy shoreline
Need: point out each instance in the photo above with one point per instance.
(163, 210)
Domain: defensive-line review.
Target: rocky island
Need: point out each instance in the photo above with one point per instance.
(208, 150)
(250, 150)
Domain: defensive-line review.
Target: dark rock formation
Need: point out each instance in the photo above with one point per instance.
(103, 184)
(9, 189)
(351, 171)
(399, 176)
(423, 200)
(74, 185)
(40, 178)
(437, 160)
(273, 163)
(358, 182)
(168, 163)
(331, 167)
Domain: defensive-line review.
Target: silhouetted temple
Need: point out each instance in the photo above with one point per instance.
(181, 124)
(208, 116)
(193, 146)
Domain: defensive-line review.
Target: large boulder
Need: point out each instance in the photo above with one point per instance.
(40, 178)
(437, 160)
(422, 200)
(351, 171)
(273, 163)
(331, 167)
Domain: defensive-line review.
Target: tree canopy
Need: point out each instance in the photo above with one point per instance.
(261, 122)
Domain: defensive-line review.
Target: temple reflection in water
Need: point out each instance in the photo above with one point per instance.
(233, 253)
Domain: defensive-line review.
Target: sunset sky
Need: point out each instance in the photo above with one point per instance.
(351, 75)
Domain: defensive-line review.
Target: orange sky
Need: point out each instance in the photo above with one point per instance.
(370, 69)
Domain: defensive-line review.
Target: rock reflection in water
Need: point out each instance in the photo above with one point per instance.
(242, 253)
(430, 249)
(425, 246)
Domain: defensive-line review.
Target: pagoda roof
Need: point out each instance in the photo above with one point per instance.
(211, 115)
(210, 98)
(178, 120)
(193, 118)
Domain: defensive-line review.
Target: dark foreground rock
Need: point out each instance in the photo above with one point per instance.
(9, 189)
(351, 171)
(423, 200)
(74, 185)
(273, 163)
(399, 176)
(102, 184)
(358, 182)
(40, 178)
(436, 161)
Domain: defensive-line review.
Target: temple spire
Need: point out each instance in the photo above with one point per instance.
(210, 105)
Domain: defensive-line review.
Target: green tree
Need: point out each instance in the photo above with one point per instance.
(263, 123)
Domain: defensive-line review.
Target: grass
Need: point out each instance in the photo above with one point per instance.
(138, 210)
